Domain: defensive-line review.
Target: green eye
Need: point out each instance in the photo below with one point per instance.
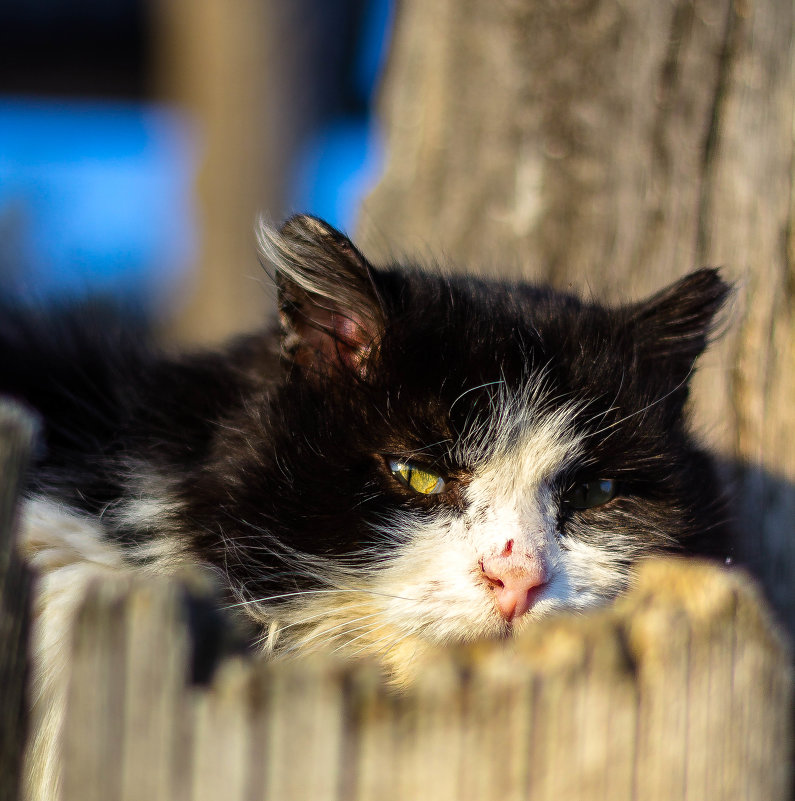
(587, 494)
(420, 479)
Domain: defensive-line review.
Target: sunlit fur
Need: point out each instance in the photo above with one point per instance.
(267, 461)
(431, 590)
(68, 551)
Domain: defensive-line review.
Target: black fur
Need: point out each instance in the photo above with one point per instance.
(281, 437)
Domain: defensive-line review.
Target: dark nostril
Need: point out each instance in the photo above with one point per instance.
(493, 582)
(516, 584)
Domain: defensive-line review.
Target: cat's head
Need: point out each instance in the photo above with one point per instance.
(449, 457)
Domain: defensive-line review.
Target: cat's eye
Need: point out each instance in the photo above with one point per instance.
(417, 477)
(587, 494)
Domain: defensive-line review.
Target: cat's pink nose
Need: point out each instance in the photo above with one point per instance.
(516, 583)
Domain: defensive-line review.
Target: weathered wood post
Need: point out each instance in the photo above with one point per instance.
(16, 437)
(682, 691)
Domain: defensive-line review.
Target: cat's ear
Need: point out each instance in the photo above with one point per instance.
(672, 328)
(329, 309)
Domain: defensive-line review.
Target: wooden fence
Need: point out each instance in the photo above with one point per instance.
(681, 690)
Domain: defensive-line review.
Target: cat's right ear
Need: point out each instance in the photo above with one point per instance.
(672, 328)
(329, 309)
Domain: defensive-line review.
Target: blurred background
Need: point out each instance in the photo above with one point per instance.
(141, 139)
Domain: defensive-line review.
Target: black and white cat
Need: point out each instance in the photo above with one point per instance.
(413, 458)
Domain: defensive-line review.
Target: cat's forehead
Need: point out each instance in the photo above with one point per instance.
(480, 370)
(525, 433)
(471, 325)
(522, 425)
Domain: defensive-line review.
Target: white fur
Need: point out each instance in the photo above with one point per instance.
(432, 589)
(148, 505)
(67, 551)
(289, 255)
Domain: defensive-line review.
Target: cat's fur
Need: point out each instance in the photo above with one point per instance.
(270, 460)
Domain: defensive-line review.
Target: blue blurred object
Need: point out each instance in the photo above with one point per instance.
(94, 196)
(342, 160)
(97, 196)
(372, 51)
(335, 170)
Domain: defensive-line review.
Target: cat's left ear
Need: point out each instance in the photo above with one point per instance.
(672, 328)
(329, 309)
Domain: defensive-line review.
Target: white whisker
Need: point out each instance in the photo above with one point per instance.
(296, 593)
(301, 644)
(648, 406)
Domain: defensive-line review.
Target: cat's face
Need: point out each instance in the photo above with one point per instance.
(454, 458)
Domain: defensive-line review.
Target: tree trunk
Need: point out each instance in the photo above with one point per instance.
(613, 147)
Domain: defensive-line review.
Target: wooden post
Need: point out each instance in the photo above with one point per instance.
(17, 431)
(682, 690)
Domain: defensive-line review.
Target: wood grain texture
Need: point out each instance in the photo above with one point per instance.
(682, 690)
(612, 147)
(17, 432)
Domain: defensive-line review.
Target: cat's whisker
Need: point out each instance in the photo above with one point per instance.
(415, 451)
(372, 645)
(306, 647)
(268, 598)
(369, 631)
(367, 499)
(473, 389)
(648, 406)
(338, 590)
(335, 637)
(600, 415)
(612, 406)
(345, 645)
(307, 620)
(302, 644)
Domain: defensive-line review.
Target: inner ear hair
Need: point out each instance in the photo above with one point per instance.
(329, 308)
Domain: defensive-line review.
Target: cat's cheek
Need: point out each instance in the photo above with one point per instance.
(432, 582)
(446, 579)
(589, 576)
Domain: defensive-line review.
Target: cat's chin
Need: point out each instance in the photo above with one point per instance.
(506, 630)
(408, 663)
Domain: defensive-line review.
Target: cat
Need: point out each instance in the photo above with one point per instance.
(411, 458)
